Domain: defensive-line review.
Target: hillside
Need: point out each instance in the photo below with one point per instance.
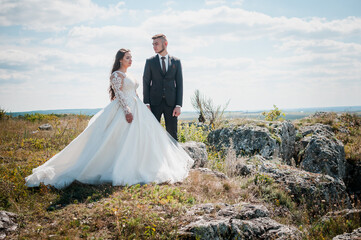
(256, 190)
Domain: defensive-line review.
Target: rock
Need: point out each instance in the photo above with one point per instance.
(221, 138)
(356, 234)
(346, 214)
(265, 228)
(197, 151)
(267, 139)
(254, 139)
(46, 126)
(323, 152)
(240, 211)
(245, 166)
(239, 221)
(288, 138)
(317, 128)
(243, 169)
(211, 172)
(314, 189)
(7, 223)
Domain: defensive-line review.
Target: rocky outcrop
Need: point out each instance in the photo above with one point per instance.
(316, 149)
(312, 188)
(322, 152)
(240, 221)
(287, 134)
(197, 151)
(267, 139)
(356, 234)
(7, 223)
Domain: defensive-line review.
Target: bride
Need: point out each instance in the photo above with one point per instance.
(122, 144)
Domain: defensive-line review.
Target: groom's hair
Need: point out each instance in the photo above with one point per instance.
(160, 35)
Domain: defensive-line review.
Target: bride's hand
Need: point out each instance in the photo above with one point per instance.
(129, 117)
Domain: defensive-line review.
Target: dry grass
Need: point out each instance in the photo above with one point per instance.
(80, 211)
(106, 212)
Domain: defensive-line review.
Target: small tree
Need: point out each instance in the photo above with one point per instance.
(274, 115)
(3, 115)
(207, 110)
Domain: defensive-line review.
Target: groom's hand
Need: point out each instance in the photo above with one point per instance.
(149, 107)
(176, 111)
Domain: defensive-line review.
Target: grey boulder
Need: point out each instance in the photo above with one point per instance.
(312, 188)
(197, 151)
(356, 234)
(268, 139)
(7, 223)
(239, 221)
(323, 153)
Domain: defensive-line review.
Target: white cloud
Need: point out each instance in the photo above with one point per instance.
(241, 24)
(253, 58)
(238, 2)
(322, 46)
(215, 2)
(52, 15)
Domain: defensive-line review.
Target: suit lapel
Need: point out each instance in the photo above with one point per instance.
(170, 62)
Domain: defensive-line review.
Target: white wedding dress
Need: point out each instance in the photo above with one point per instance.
(111, 150)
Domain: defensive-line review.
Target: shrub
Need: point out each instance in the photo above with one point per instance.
(191, 132)
(3, 115)
(207, 110)
(274, 115)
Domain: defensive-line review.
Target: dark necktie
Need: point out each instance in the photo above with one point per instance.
(163, 64)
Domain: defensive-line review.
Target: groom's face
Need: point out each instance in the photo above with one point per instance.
(159, 45)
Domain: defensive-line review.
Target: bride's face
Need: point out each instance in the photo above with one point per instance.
(126, 61)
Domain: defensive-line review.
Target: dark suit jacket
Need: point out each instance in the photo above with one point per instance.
(157, 85)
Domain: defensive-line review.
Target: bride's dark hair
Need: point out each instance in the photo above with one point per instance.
(119, 56)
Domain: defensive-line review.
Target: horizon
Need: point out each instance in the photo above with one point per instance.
(255, 53)
(358, 107)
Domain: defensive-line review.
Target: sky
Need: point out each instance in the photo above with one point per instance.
(57, 54)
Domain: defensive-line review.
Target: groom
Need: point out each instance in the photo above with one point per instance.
(163, 85)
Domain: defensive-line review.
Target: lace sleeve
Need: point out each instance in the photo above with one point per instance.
(117, 81)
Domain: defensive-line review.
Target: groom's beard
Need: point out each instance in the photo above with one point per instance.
(162, 49)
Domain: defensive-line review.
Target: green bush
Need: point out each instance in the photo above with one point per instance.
(274, 115)
(192, 132)
(39, 117)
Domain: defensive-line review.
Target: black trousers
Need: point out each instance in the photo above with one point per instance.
(170, 121)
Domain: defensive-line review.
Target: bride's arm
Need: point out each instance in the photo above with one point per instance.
(117, 81)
